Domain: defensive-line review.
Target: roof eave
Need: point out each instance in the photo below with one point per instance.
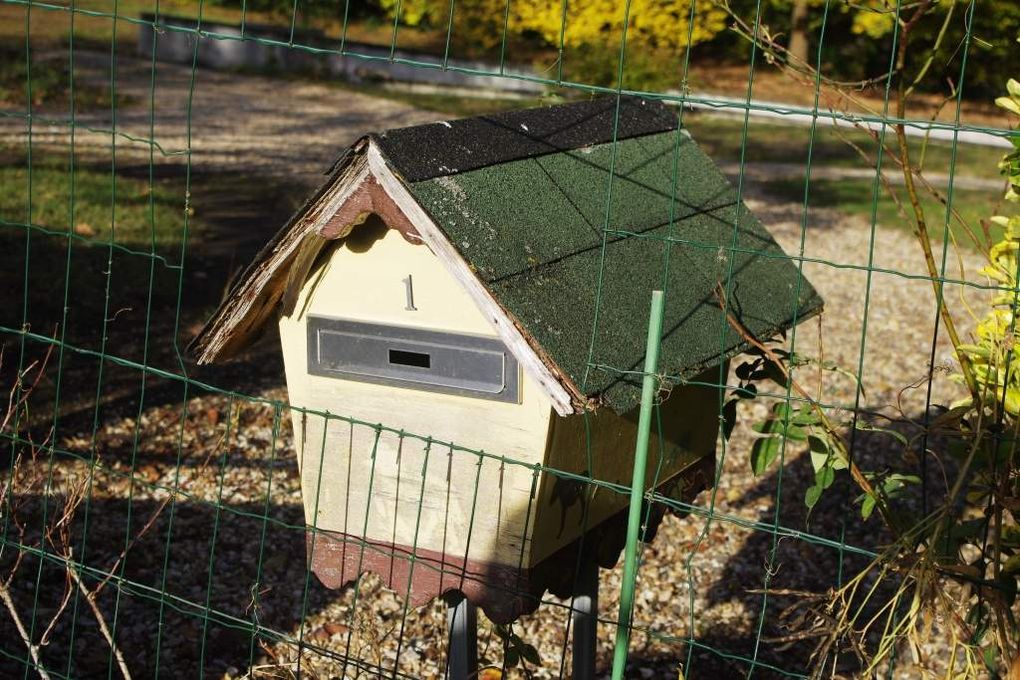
(237, 319)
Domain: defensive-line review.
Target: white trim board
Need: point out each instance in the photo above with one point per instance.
(434, 238)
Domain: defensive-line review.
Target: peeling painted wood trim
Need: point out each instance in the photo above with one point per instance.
(233, 316)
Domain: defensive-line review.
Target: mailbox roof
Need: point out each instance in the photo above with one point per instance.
(570, 216)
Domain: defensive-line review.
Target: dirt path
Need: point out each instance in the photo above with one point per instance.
(269, 125)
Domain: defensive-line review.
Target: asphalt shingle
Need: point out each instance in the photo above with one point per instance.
(533, 230)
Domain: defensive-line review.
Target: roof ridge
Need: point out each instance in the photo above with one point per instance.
(441, 148)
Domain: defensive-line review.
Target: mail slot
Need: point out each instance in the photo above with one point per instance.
(411, 357)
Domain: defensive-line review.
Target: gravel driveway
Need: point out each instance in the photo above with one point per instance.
(236, 459)
(270, 125)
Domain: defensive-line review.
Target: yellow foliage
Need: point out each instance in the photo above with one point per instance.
(412, 12)
(995, 358)
(874, 18)
(662, 24)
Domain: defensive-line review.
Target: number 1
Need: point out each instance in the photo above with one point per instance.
(410, 295)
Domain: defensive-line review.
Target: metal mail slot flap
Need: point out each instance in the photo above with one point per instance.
(410, 357)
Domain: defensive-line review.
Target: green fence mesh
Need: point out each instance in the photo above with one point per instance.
(153, 519)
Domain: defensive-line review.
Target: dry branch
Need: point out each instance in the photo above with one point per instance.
(33, 649)
(104, 629)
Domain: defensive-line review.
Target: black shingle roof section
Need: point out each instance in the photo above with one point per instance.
(424, 152)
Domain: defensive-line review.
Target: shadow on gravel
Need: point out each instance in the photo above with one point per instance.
(802, 571)
(145, 311)
(213, 558)
(106, 329)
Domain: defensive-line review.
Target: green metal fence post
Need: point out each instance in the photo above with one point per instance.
(637, 485)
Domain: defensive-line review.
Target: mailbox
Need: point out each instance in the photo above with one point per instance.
(461, 309)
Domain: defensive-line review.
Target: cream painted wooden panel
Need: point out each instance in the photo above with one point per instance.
(374, 482)
(690, 425)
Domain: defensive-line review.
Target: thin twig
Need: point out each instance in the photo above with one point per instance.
(100, 619)
(33, 650)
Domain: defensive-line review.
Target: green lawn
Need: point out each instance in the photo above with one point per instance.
(768, 141)
(94, 23)
(48, 80)
(97, 204)
(855, 197)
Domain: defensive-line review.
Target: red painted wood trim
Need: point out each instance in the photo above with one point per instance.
(504, 592)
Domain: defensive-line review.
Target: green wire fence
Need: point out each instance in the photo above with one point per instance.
(152, 514)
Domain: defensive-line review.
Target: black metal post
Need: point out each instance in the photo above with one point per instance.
(462, 621)
(585, 615)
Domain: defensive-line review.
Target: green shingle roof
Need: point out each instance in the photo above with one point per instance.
(532, 229)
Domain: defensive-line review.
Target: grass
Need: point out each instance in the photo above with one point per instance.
(50, 78)
(452, 105)
(143, 216)
(768, 141)
(56, 285)
(854, 197)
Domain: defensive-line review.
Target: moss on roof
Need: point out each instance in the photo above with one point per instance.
(533, 231)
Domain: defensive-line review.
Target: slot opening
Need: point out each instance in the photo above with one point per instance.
(402, 357)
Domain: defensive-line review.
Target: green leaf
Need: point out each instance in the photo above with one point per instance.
(763, 452)
(806, 416)
(1012, 565)
(781, 410)
(819, 461)
(900, 481)
(530, 654)
(825, 477)
(812, 495)
(797, 434)
(868, 427)
(776, 427)
(867, 506)
(512, 658)
(818, 444)
(991, 658)
(729, 417)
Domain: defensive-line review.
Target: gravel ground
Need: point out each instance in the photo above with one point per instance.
(697, 578)
(288, 128)
(233, 543)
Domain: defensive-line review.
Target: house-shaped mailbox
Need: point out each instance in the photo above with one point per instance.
(484, 284)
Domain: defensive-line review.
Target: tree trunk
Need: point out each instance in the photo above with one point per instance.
(798, 48)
